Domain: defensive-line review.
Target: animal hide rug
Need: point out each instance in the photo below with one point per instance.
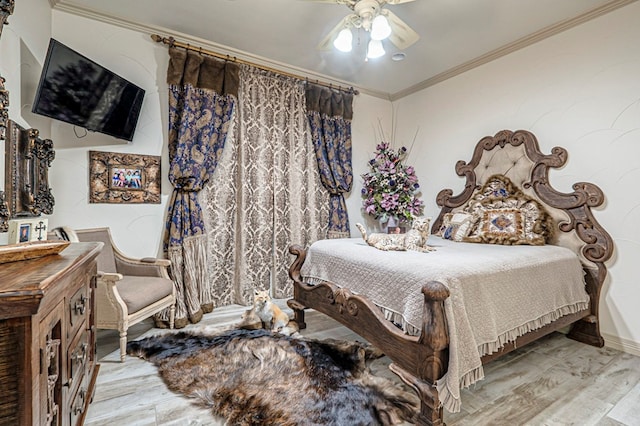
(255, 377)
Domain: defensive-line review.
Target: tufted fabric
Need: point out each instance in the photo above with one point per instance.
(512, 162)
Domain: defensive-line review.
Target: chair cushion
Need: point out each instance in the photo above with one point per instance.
(140, 292)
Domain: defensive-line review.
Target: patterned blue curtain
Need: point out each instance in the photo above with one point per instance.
(202, 96)
(330, 114)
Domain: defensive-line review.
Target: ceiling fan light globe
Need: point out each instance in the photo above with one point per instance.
(375, 49)
(344, 40)
(380, 28)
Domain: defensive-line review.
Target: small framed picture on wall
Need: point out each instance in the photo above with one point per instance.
(27, 230)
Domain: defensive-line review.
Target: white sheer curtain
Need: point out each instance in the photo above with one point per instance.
(266, 193)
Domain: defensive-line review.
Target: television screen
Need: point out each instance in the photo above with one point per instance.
(78, 91)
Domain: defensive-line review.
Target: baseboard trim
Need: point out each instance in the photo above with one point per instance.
(624, 345)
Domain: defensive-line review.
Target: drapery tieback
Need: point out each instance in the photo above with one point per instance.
(185, 184)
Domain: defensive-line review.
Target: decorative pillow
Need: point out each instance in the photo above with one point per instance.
(534, 225)
(458, 226)
(500, 226)
(497, 186)
(446, 221)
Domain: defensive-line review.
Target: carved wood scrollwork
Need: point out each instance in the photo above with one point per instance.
(598, 244)
(52, 358)
(4, 122)
(342, 297)
(27, 172)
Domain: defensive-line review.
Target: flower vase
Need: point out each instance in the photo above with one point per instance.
(392, 226)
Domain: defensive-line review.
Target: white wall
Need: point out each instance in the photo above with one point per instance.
(136, 228)
(28, 31)
(371, 115)
(579, 90)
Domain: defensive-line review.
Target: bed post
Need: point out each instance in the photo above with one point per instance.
(294, 274)
(433, 362)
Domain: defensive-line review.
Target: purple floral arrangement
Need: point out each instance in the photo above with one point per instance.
(391, 187)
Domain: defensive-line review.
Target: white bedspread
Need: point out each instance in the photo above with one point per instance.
(497, 292)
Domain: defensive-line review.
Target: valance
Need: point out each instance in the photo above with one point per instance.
(201, 71)
(329, 102)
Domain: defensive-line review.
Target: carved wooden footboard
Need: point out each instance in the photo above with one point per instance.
(418, 361)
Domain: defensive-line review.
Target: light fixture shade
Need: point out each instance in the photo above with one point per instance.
(375, 49)
(343, 41)
(380, 28)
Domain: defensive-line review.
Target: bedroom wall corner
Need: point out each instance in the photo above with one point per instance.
(579, 90)
(370, 115)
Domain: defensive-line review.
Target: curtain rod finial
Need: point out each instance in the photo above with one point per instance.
(156, 38)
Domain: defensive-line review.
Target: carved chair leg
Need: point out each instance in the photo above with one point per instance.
(123, 345)
(172, 315)
(431, 413)
(298, 313)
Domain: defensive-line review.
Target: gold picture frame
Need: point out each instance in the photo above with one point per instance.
(122, 178)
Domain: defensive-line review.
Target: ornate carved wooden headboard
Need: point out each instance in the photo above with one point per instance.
(517, 156)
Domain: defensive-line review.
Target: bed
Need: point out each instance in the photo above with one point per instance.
(439, 316)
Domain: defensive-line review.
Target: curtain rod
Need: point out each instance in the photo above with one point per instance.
(172, 42)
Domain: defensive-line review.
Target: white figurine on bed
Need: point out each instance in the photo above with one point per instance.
(415, 238)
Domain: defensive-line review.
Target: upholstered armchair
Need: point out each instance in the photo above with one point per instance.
(128, 290)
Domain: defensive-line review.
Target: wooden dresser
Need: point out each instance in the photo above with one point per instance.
(48, 363)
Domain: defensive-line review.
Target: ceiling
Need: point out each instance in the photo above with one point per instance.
(455, 35)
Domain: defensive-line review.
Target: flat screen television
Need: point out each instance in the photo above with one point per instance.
(76, 90)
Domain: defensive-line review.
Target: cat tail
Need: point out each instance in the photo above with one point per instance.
(362, 231)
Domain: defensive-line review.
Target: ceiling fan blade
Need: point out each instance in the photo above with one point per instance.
(327, 41)
(402, 35)
(349, 3)
(398, 1)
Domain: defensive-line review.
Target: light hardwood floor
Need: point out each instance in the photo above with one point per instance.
(554, 381)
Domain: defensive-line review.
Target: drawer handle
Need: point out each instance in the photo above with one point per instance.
(82, 394)
(81, 357)
(80, 305)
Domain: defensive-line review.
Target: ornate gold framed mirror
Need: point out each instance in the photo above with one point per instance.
(27, 163)
(4, 121)
(6, 9)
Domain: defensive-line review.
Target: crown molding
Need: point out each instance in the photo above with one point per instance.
(69, 7)
(514, 46)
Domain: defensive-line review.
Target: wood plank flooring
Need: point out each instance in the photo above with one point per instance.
(554, 381)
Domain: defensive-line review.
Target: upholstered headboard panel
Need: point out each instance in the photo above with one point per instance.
(517, 156)
(513, 162)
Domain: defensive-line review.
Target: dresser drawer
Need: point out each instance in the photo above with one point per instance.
(78, 355)
(79, 405)
(79, 308)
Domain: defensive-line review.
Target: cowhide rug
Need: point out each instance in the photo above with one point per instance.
(255, 377)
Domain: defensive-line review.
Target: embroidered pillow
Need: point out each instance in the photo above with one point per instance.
(459, 226)
(500, 226)
(536, 226)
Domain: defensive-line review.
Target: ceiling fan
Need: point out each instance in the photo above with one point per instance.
(373, 17)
